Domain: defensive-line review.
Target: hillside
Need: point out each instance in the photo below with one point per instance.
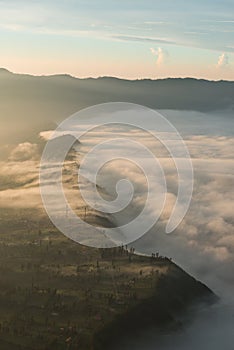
(33, 103)
(56, 294)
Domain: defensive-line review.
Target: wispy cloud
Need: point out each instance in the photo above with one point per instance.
(155, 22)
(168, 41)
(223, 61)
(161, 55)
(144, 39)
(216, 21)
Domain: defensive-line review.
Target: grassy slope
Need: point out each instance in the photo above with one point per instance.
(56, 294)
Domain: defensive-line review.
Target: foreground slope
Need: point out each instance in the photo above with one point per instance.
(56, 294)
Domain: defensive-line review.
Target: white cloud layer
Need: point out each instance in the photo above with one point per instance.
(203, 244)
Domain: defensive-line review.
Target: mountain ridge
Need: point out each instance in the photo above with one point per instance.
(67, 75)
(34, 103)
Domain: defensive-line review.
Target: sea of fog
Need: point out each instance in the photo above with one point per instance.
(203, 244)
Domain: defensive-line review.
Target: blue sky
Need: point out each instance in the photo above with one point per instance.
(131, 39)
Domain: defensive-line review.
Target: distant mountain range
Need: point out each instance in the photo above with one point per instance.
(36, 102)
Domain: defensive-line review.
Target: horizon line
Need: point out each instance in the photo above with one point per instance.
(3, 69)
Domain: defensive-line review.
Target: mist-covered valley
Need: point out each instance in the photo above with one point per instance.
(203, 243)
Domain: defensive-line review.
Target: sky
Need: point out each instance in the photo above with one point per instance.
(127, 39)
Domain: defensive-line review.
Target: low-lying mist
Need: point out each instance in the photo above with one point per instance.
(203, 244)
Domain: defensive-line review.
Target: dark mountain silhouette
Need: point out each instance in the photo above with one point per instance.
(31, 103)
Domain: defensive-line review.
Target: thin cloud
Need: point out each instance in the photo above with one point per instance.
(223, 61)
(144, 39)
(161, 55)
(216, 21)
(156, 22)
(163, 41)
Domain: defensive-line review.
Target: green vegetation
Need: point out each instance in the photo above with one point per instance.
(56, 294)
